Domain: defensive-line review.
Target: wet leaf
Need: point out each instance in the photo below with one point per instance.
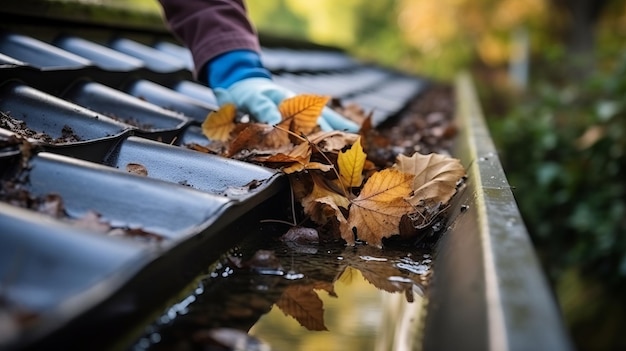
(218, 124)
(351, 165)
(377, 211)
(436, 177)
(300, 113)
(302, 303)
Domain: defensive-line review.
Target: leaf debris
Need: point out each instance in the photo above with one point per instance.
(334, 178)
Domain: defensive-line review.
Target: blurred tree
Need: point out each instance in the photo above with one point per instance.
(577, 23)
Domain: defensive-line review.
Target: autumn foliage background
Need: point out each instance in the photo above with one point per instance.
(551, 75)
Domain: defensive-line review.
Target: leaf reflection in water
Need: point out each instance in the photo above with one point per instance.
(373, 302)
(345, 298)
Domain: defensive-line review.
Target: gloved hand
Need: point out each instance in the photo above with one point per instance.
(260, 98)
(238, 77)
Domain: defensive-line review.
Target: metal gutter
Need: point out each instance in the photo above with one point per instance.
(488, 291)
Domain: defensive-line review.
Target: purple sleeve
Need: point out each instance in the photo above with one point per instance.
(210, 28)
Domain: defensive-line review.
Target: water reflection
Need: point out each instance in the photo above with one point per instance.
(283, 297)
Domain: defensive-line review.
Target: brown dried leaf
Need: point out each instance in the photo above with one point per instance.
(300, 113)
(332, 141)
(377, 211)
(344, 229)
(218, 124)
(258, 136)
(296, 160)
(302, 303)
(351, 111)
(436, 177)
(319, 202)
(136, 168)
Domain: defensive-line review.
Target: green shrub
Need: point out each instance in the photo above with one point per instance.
(563, 147)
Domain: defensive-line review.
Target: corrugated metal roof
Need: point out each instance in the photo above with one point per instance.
(105, 105)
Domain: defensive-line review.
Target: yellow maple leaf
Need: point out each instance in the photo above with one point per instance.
(436, 177)
(377, 211)
(218, 124)
(351, 164)
(300, 113)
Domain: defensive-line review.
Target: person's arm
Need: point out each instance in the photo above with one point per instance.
(209, 28)
(226, 53)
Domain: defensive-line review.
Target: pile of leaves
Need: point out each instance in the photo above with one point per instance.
(332, 177)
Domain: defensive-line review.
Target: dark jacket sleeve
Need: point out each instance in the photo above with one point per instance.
(210, 27)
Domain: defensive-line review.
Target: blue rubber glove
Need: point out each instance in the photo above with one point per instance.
(239, 77)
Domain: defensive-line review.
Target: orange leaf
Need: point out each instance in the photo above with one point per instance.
(377, 211)
(436, 177)
(218, 124)
(300, 113)
(351, 165)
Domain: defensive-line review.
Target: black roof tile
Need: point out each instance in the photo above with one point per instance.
(104, 105)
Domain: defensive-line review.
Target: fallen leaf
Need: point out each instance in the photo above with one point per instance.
(296, 160)
(377, 211)
(301, 112)
(332, 141)
(258, 136)
(351, 111)
(436, 177)
(302, 303)
(316, 202)
(136, 168)
(351, 164)
(218, 124)
(298, 156)
(345, 229)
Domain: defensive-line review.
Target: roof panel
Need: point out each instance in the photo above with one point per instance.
(93, 111)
